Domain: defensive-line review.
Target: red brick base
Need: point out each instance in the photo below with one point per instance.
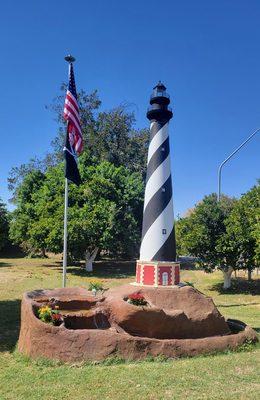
(157, 273)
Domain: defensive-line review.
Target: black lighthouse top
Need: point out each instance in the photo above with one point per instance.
(159, 100)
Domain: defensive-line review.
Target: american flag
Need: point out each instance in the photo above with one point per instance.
(71, 114)
(74, 142)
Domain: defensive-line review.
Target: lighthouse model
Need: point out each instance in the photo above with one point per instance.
(157, 265)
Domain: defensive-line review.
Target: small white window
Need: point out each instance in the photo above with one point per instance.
(165, 278)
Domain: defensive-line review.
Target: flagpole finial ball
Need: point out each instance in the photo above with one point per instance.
(70, 58)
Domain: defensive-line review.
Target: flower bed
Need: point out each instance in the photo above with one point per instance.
(50, 314)
(137, 299)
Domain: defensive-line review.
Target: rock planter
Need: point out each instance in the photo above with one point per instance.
(178, 321)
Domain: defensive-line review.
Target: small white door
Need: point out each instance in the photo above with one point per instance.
(165, 278)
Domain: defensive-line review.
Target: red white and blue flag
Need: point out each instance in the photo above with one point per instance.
(74, 142)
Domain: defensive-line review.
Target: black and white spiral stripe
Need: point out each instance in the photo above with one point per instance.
(158, 237)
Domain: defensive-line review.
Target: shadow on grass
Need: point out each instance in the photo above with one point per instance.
(239, 305)
(239, 286)
(5, 264)
(10, 324)
(106, 269)
(12, 252)
(56, 265)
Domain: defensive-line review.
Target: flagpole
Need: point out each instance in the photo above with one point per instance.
(70, 59)
(65, 237)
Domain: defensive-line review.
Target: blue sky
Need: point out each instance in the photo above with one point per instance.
(207, 54)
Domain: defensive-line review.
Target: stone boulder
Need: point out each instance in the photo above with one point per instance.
(172, 313)
(176, 322)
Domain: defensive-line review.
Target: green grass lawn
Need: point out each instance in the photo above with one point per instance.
(230, 375)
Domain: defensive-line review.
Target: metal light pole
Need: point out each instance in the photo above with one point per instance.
(230, 156)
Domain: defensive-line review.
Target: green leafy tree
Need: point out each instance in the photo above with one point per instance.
(108, 136)
(88, 106)
(104, 212)
(199, 233)
(119, 143)
(18, 174)
(24, 215)
(107, 205)
(243, 230)
(4, 225)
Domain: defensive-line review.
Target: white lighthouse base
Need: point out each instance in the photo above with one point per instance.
(157, 273)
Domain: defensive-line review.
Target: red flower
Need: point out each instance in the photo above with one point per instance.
(56, 317)
(137, 299)
(136, 296)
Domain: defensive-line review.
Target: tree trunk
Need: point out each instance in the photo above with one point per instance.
(249, 274)
(227, 277)
(90, 258)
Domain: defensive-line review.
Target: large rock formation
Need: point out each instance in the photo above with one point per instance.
(172, 313)
(177, 321)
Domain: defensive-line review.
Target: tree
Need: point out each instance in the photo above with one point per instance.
(108, 136)
(114, 159)
(243, 230)
(23, 216)
(104, 212)
(200, 232)
(4, 225)
(119, 143)
(18, 174)
(88, 106)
